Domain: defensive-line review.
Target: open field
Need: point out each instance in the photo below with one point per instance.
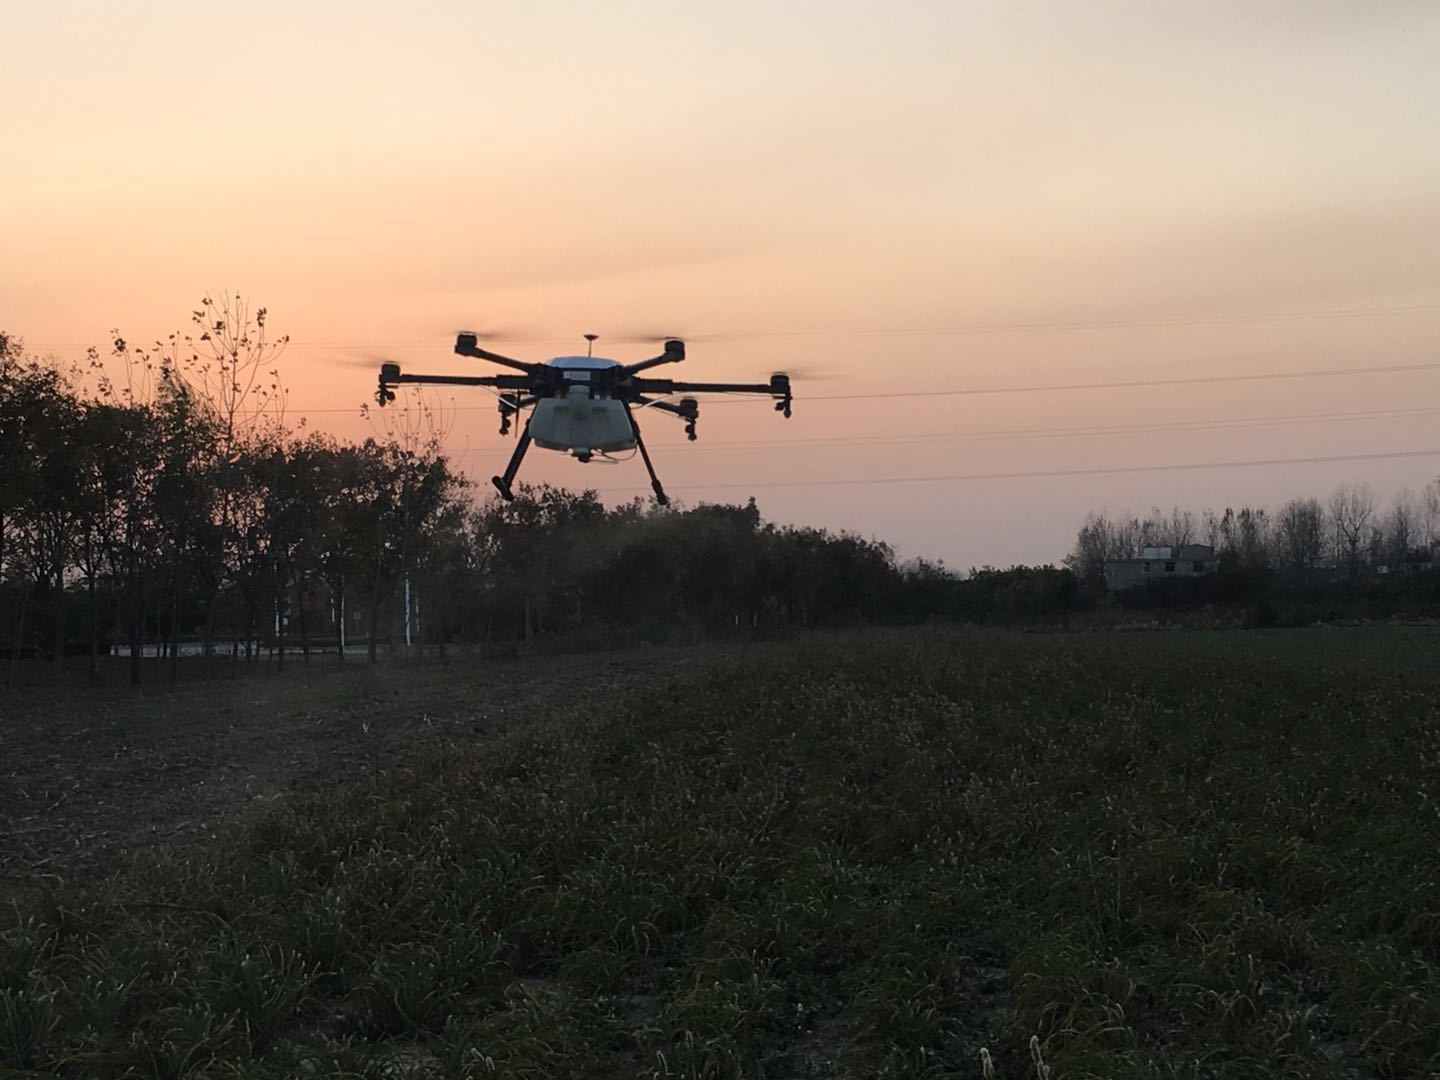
(1176, 854)
(91, 774)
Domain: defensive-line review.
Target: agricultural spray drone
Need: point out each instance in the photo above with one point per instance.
(583, 405)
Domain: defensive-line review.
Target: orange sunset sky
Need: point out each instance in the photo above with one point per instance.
(896, 199)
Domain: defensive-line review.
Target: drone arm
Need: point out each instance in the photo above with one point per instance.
(684, 412)
(391, 375)
(778, 386)
(501, 382)
(673, 354)
(688, 410)
(465, 345)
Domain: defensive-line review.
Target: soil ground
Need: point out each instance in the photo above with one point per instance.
(88, 776)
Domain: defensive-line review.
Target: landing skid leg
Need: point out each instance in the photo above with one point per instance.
(502, 483)
(660, 496)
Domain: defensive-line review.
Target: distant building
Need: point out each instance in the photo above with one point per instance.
(1160, 564)
(1419, 563)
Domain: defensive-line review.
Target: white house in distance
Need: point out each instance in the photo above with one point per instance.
(1160, 564)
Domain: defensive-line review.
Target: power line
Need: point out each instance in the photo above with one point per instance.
(1185, 380)
(924, 438)
(1071, 432)
(1035, 474)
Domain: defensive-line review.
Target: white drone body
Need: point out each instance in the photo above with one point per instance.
(583, 419)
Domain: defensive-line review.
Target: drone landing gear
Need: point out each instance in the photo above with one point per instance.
(502, 483)
(660, 496)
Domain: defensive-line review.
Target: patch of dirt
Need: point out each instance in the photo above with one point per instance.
(90, 776)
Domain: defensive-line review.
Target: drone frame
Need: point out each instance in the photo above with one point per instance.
(535, 381)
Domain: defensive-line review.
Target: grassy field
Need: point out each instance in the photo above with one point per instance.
(905, 853)
(89, 775)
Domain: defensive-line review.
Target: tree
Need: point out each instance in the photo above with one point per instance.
(231, 367)
(1351, 509)
(346, 525)
(1101, 540)
(1301, 536)
(1244, 539)
(40, 490)
(123, 444)
(1430, 516)
(184, 500)
(416, 429)
(1175, 529)
(1402, 530)
(224, 368)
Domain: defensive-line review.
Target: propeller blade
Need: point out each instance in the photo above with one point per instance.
(355, 358)
(630, 338)
(510, 332)
(810, 373)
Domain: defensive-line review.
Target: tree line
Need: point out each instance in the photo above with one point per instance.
(1343, 558)
(1348, 535)
(155, 504)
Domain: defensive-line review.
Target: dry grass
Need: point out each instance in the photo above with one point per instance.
(867, 855)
